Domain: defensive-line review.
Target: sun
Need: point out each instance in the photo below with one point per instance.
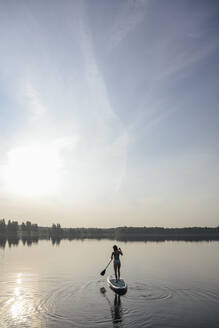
(33, 170)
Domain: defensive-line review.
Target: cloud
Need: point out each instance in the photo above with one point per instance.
(34, 103)
(185, 58)
(171, 57)
(129, 16)
(111, 135)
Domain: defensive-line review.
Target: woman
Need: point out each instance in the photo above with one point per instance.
(115, 254)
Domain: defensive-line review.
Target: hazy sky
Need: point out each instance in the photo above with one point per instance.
(109, 112)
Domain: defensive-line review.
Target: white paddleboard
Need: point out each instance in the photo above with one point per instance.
(119, 285)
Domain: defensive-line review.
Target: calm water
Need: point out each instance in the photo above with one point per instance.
(170, 284)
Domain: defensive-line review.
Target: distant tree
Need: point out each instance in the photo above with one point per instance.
(12, 227)
(3, 227)
(28, 227)
(35, 228)
(56, 230)
(53, 229)
(23, 227)
(59, 229)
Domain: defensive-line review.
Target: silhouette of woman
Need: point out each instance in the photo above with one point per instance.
(117, 264)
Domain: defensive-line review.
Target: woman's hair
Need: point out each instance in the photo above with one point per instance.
(115, 248)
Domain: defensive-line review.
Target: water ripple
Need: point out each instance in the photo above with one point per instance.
(55, 303)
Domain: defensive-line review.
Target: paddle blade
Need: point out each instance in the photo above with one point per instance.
(103, 272)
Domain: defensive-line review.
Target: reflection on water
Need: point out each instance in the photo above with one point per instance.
(55, 241)
(169, 285)
(29, 240)
(115, 308)
(18, 308)
(13, 240)
(2, 241)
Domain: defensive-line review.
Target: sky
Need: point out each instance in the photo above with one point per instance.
(109, 112)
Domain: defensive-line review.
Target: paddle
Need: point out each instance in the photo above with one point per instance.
(103, 272)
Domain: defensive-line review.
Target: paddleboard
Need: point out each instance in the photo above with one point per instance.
(119, 286)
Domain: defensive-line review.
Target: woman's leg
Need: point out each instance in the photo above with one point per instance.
(119, 265)
(115, 269)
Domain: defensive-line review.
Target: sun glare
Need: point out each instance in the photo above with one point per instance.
(33, 170)
(20, 303)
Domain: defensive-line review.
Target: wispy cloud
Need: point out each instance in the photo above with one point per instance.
(131, 14)
(34, 103)
(172, 56)
(112, 134)
(185, 58)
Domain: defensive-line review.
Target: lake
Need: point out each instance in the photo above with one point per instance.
(170, 284)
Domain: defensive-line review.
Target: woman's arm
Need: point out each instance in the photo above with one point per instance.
(120, 251)
(112, 255)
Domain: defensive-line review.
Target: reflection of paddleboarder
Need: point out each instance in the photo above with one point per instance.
(117, 313)
(116, 309)
(117, 264)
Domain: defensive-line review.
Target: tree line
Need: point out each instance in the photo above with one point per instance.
(13, 228)
(56, 232)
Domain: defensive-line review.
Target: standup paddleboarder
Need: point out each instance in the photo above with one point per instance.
(117, 264)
